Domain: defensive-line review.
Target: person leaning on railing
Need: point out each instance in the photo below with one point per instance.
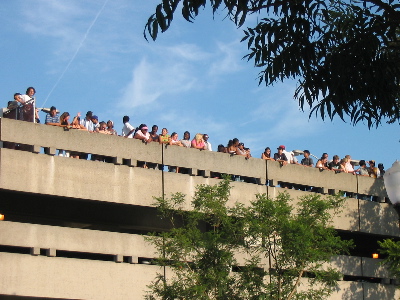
(322, 163)
(52, 117)
(29, 112)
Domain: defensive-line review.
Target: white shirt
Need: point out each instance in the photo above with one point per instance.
(126, 129)
(289, 156)
(208, 145)
(26, 98)
(88, 124)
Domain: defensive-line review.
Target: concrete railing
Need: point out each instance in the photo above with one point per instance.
(130, 151)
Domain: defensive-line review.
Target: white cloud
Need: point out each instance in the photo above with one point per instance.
(53, 18)
(152, 80)
(226, 59)
(278, 109)
(188, 52)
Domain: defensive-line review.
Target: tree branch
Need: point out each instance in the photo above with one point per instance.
(295, 285)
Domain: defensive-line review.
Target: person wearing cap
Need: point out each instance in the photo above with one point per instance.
(52, 118)
(206, 142)
(307, 160)
(280, 156)
(372, 170)
(87, 122)
(96, 124)
(143, 134)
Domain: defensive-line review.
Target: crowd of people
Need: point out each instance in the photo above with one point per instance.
(26, 105)
(345, 165)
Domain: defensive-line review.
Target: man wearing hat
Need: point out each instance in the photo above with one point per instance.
(280, 156)
(96, 124)
(372, 170)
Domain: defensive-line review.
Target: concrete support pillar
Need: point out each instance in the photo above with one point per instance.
(117, 160)
(35, 251)
(51, 252)
(118, 258)
(133, 259)
(36, 149)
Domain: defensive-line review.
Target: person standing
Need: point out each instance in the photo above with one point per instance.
(28, 112)
(128, 129)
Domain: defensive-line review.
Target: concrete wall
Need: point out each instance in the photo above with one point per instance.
(39, 135)
(68, 278)
(82, 179)
(125, 184)
(53, 276)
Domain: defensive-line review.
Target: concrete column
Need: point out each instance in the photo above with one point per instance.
(35, 251)
(51, 252)
(118, 258)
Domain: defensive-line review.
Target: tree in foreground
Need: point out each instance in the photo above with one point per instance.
(392, 261)
(345, 54)
(270, 249)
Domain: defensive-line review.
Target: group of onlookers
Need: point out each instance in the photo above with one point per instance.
(91, 123)
(337, 165)
(200, 141)
(23, 106)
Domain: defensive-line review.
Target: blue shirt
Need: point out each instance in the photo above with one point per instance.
(50, 119)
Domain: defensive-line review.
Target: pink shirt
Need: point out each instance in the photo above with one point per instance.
(349, 167)
(197, 145)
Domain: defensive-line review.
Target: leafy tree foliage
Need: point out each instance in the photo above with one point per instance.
(267, 250)
(345, 54)
(392, 250)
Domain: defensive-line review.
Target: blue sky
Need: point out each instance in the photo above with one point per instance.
(85, 55)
